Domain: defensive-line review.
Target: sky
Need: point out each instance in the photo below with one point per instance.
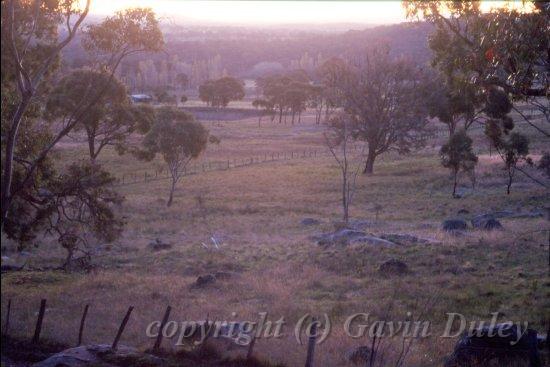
(265, 12)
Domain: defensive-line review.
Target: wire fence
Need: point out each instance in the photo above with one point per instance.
(218, 165)
(148, 176)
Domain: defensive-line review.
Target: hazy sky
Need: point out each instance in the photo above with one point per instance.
(264, 12)
(269, 12)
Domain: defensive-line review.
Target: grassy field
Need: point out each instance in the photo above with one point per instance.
(256, 214)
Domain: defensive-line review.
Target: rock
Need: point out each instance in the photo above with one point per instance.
(372, 240)
(463, 211)
(486, 221)
(309, 222)
(393, 267)
(343, 237)
(158, 245)
(530, 215)
(100, 355)
(451, 225)
(495, 346)
(204, 281)
(359, 356)
(404, 239)
(348, 236)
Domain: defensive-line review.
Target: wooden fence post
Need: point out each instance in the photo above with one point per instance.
(311, 343)
(121, 328)
(38, 328)
(82, 322)
(158, 342)
(7, 326)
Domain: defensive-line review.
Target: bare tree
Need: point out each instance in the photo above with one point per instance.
(339, 140)
(384, 98)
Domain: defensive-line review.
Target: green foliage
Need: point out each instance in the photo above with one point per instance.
(219, 92)
(109, 121)
(457, 155)
(177, 138)
(128, 31)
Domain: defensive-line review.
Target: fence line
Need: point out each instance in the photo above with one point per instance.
(212, 166)
(145, 176)
(156, 350)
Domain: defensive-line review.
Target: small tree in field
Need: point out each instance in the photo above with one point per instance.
(457, 155)
(340, 141)
(513, 151)
(178, 139)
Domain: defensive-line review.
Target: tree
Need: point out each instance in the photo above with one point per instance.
(385, 101)
(128, 32)
(513, 148)
(339, 140)
(183, 99)
(79, 207)
(218, 93)
(453, 101)
(266, 107)
(75, 204)
(296, 97)
(182, 80)
(30, 48)
(110, 121)
(330, 74)
(178, 139)
(457, 155)
(505, 48)
(316, 101)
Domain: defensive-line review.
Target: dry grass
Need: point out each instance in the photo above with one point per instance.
(256, 212)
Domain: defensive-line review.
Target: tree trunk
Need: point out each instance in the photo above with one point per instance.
(369, 165)
(509, 186)
(91, 148)
(171, 196)
(345, 203)
(8, 160)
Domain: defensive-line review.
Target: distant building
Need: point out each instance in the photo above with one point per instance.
(141, 98)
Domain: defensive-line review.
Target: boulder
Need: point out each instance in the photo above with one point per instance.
(486, 221)
(372, 240)
(451, 225)
(348, 236)
(309, 222)
(393, 267)
(494, 346)
(100, 355)
(404, 239)
(342, 236)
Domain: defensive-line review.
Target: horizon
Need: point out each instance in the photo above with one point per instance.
(272, 13)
